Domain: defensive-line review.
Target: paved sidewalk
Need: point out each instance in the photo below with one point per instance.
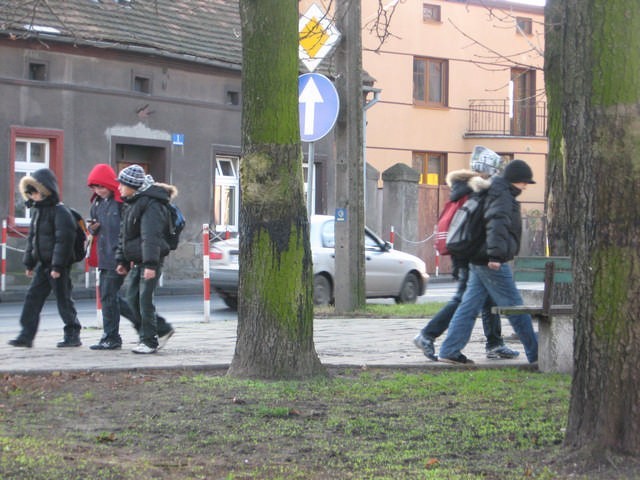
(338, 341)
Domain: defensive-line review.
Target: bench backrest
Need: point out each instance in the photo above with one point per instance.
(532, 269)
(550, 270)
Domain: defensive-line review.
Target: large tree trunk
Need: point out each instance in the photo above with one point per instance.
(275, 314)
(558, 235)
(599, 91)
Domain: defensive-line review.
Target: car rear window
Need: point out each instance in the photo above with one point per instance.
(328, 235)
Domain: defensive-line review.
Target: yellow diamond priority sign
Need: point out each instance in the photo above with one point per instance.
(318, 36)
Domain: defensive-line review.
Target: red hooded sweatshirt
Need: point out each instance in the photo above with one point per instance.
(103, 175)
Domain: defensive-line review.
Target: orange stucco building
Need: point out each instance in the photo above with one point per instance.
(451, 75)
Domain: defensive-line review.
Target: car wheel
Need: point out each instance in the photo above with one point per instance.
(322, 294)
(231, 302)
(409, 290)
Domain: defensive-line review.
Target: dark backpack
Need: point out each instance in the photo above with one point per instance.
(80, 241)
(466, 231)
(177, 223)
(444, 221)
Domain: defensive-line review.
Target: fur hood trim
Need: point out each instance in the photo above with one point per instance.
(158, 190)
(459, 176)
(469, 177)
(479, 184)
(172, 190)
(30, 181)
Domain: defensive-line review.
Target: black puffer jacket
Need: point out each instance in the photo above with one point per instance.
(53, 230)
(503, 222)
(145, 226)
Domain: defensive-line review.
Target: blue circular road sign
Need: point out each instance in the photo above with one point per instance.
(319, 105)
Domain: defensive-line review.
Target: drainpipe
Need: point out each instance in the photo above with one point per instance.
(367, 105)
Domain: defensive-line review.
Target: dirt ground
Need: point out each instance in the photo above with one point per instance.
(169, 424)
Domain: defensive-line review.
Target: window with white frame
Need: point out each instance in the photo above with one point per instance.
(226, 194)
(31, 154)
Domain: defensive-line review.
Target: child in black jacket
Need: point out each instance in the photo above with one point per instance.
(48, 258)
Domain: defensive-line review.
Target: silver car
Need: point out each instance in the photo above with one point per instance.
(389, 273)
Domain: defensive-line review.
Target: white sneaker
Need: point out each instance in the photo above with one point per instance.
(143, 348)
(162, 341)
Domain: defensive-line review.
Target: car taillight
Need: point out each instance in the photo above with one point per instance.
(215, 255)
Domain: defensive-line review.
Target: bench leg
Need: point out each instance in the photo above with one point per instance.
(555, 344)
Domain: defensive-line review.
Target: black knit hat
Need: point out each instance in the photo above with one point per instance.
(518, 171)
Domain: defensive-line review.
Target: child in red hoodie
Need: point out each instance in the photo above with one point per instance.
(105, 228)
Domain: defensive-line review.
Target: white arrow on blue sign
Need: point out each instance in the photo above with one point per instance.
(319, 104)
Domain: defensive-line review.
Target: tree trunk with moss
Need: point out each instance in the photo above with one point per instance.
(275, 311)
(557, 211)
(598, 92)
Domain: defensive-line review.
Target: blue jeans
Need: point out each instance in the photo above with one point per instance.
(500, 286)
(441, 320)
(139, 296)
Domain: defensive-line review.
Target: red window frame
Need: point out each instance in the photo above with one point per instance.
(56, 149)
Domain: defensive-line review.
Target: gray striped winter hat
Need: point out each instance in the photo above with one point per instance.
(132, 176)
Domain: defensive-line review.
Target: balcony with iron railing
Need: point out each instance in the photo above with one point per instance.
(503, 118)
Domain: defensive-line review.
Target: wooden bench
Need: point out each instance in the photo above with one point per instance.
(555, 321)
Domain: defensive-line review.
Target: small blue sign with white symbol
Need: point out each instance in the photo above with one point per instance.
(318, 104)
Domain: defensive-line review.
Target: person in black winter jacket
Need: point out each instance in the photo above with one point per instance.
(48, 258)
(460, 182)
(490, 274)
(105, 212)
(142, 247)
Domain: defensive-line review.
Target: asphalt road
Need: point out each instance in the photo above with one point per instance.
(176, 308)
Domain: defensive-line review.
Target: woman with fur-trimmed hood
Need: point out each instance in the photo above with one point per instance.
(142, 247)
(48, 258)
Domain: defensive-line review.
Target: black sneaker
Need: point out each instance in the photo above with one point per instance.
(69, 342)
(107, 345)
(19, 342)
(459, 360)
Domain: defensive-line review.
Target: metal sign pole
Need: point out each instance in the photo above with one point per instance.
(311, 180)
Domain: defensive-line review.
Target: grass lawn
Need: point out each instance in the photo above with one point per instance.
(357, 424)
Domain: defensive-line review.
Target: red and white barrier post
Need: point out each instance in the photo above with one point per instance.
(3, 280)
(392, 236)
(87, 280)
(205, 272)
(98, 299)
